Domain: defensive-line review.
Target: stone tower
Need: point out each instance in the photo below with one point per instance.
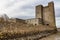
(47, 14)
(39, 12)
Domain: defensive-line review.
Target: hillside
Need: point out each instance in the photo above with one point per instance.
(8, 29)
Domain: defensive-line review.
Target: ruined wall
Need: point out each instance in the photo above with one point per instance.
(20, 20)
(33, 21)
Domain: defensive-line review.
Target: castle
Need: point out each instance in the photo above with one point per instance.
(41, 26)
(44, 15)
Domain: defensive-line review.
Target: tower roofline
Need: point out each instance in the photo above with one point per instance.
(51, 2)
(39, 5)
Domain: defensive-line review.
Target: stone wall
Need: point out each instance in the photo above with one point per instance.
(34, 21)
(12, 20)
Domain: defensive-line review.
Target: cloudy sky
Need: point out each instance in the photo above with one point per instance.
(26, 8)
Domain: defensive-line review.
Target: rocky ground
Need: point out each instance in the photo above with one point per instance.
(29, 36)
(53, 37)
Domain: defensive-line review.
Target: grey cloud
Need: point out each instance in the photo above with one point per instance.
(58, 22)
(57, 12)
(9, 3)
(27, 7)
(24, 8)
